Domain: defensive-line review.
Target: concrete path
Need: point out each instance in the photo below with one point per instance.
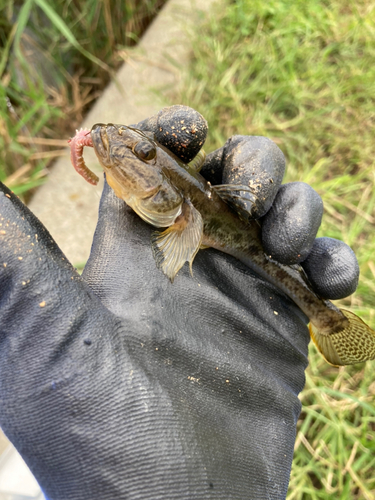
(66, 204)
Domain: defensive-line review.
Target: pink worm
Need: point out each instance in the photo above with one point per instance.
(77, 143)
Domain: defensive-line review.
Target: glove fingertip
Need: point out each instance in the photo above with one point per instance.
(290, 227)
(332, 268)
(181, 129)
(257, 163)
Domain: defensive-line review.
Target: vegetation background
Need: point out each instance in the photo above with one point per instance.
(55, 59)
(301, 73)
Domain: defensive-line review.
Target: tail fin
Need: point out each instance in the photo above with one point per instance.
(353, 344)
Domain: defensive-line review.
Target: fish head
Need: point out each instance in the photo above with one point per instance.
(115, 144)
(129, 158)
(133, 163)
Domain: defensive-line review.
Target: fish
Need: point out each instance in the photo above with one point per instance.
(190, 213)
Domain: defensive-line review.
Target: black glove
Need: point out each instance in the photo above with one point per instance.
(121, 385)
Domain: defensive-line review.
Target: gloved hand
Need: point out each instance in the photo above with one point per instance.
(121, 385)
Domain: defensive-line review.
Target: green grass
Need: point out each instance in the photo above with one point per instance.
(302, 74)
(335, 447)
(55, 59)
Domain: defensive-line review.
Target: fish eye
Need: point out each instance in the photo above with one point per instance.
(145, 150)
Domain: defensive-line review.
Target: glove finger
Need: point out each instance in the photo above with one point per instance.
(179, 128)
(41, 291)
(36, 275)
(290, 227)
(212, 169)
(45, 306)
(255, 163)
(332, 268)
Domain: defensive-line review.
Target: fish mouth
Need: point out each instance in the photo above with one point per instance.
(104, 138)
(101, 143)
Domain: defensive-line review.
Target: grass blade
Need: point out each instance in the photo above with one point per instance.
(65, 31)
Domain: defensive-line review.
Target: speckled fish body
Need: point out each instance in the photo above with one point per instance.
(169, 194)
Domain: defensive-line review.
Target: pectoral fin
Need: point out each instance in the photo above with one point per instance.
(148, 213)
(241, 198)
(180, 242)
